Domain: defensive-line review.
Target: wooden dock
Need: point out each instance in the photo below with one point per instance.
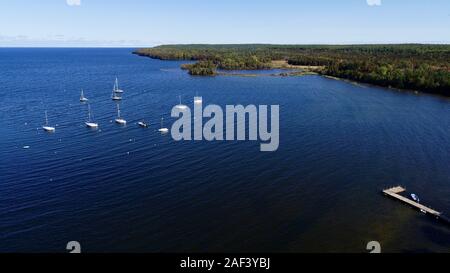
(394, 193)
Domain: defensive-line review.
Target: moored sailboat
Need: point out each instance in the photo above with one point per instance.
(197, 99)
(116, 87)
(89, 123)
(114, 96)
(46, 127)
(82, 97)
(181, 106)
(116, 91)
(119, 119)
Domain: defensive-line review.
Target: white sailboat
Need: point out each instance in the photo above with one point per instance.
(119, 119)
(163, 129)
(181, 106)
(90, 123)
(197, 99)
(82, 97)
(114, 96)
(46, 127)
(116, 87)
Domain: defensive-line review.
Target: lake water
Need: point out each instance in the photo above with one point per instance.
(128, 189)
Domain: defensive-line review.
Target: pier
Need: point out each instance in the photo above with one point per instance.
(395, 193)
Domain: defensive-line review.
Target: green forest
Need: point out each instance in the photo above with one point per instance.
(419, 67)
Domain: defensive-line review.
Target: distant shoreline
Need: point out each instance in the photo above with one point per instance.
(403, 66)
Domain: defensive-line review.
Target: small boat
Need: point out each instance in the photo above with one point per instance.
(143, 124)
(116, 87)
(47, 128)
(119, 119)
(181, 106)
(82, 97)
(163, 129)
(415, 197)
(90, 123)
(423, 211)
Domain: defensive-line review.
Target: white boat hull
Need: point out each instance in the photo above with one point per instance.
(121, 121)
(181, 106)
(163, 130)
(91, 125)
(49, 129)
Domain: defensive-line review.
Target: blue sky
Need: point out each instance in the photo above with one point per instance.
(152, 22)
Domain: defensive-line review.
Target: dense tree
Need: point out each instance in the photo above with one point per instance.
(201, 68)
(409, 66)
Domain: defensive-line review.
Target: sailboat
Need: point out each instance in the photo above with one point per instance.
(163, 129)
(46, 127)
(90, 123)
(114, 96)
(197, 99)
(116, 87)
(116, 91)
(120, 120)
(82, 97)
(181, 106)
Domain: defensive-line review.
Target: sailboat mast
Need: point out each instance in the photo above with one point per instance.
(118, 111)
(46, 118)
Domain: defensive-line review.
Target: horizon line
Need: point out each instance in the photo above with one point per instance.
(275, 44)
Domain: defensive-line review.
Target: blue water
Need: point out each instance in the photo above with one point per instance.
(135, 190)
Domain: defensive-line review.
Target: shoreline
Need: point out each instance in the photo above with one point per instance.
(299, 71)
(390, 88)
(399, 66)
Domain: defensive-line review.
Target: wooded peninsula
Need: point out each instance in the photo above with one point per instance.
(419, 67)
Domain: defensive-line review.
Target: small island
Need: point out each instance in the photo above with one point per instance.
(404, 66)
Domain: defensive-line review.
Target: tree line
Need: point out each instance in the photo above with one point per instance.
(409, 66)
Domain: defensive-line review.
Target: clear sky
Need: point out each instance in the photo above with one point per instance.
(152, 22)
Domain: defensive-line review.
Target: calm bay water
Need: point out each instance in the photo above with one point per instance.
(132, 189)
